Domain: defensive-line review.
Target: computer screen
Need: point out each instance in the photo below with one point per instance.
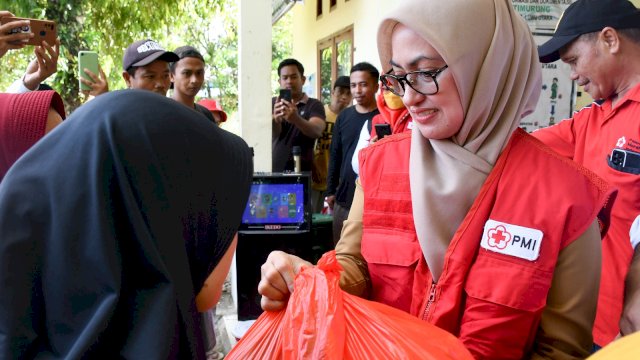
(278, 202)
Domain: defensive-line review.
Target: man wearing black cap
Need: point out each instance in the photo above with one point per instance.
(340, 98)
(600, 40)
(146, 66)
(187, 77)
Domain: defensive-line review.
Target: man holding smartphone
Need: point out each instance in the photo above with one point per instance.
(297, 121)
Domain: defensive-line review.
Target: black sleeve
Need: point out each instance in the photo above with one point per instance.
(335, 157)
(317, 109)
(204, 111)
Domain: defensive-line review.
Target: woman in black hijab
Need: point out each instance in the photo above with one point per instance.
(111, 228)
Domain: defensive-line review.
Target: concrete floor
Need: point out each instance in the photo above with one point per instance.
(225, 318)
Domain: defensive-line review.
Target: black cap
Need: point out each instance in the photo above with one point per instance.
(144, 52)
(587, 16)
(188, 51)
(343, 82)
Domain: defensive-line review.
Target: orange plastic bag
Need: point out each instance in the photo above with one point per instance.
(323, 322)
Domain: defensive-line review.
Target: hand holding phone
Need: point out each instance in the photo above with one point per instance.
(43, 30)
(383, 130)
(285, 94)
(87, 60)
(281, 108)
(10, 39)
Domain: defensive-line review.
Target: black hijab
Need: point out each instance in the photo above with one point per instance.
(109, 227)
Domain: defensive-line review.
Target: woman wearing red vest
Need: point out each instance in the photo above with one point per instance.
(456, 222)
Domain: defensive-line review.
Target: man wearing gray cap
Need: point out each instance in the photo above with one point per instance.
(146, 66)
(600, 40)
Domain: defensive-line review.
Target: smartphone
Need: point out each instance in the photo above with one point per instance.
(383, 130)
(625, 159)
(42, 30)
(87, 60)
(285, 94)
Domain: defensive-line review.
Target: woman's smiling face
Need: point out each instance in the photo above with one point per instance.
(437, 116)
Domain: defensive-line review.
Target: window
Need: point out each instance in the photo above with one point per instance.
(335, 58)
(318, 8)
(332, 3)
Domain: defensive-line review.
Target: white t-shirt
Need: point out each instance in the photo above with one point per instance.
(634, 232)
(363, 142)
(17, 87)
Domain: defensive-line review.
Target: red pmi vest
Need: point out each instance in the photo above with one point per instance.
(490, 299)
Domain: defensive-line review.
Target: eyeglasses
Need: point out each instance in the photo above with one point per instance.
(423, 81)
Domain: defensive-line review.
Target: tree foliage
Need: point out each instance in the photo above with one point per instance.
(281, 45)
(108, 26)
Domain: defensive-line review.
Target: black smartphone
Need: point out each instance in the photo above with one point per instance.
(383, 130)
(625, 159)
(285, 94)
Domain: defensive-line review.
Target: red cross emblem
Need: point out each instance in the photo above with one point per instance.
(499, 237)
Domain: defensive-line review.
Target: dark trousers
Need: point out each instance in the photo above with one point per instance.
(317, 201)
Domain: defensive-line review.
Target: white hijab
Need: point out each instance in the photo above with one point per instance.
(494, 62)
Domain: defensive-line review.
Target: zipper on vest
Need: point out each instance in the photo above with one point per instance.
(432, 297)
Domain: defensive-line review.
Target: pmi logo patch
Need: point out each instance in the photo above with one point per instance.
(512, 240)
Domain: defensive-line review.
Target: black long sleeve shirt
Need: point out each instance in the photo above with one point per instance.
(341, 180)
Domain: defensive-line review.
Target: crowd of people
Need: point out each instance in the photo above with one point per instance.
(116, 231)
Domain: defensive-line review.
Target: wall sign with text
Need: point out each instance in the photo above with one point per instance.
(558, 91)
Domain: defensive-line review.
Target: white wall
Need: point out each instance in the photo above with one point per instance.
(364, 15)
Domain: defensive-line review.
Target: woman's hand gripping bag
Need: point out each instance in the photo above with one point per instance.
(323, 322)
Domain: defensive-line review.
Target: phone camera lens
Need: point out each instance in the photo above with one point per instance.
(43, 33)
(617, 158)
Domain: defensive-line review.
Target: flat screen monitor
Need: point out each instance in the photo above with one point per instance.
(278, 203)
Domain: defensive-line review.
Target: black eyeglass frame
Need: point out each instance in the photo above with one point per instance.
(403, 79)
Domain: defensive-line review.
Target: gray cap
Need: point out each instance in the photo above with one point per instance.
(144, 52)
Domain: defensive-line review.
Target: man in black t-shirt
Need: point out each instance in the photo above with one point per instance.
(341, 181)
(298, 122)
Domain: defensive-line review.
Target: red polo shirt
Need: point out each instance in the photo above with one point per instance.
(588, 138)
